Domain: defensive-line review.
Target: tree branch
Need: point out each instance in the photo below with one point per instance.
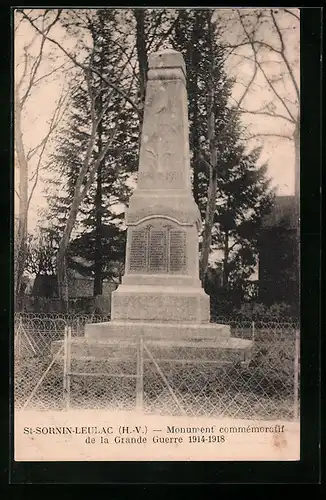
(285, 59)
(38, 59)
(33, 72)
(94, 168)
(252, 44)
(108, 99)
(205, 162)
(265, 113)
(292, 14)
(157, 24)
(248, 87)
(270, 134)
(166, 34)
(46, 75)
(237, 107)
(233, 245)
(18, 24)
(19, 84)
(249, 58)
(84, 67)
(53, 124)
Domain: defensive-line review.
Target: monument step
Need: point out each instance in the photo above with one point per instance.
(118, 352)
(157, 330)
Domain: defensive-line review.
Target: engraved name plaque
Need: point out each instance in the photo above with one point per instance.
(158, 252)
(177, 251)
(138, 250)
(159, 249)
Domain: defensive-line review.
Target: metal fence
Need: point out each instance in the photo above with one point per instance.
(157, 376)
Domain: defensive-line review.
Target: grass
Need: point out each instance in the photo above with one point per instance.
(263, 390)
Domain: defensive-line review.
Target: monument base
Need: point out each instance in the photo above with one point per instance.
(156, 330)
(223, 351)
(183, 304)
(205, 342)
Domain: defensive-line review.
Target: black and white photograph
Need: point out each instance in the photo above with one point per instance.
(156, 234)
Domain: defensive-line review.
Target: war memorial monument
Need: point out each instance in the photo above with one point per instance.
(161, 299)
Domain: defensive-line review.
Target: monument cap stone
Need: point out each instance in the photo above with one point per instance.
(167, 58)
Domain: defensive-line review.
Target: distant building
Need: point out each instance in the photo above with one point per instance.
(278, 272)
(82, 286)
(78, 286)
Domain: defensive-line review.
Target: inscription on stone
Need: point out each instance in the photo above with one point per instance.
(177, 251)
(169, 177)
(158, 251)
(138, 251)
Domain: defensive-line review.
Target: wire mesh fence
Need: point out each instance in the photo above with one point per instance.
(157, 376)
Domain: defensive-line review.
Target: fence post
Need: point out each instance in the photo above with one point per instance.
(140, 375)
(253, 331)
(296, 376)
(66, 367)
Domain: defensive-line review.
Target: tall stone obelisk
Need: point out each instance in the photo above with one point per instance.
(161, 280)
(161, 295)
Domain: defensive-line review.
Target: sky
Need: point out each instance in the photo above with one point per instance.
(278, 152)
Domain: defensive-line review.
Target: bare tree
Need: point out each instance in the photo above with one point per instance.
(152, 30)
(91, 164)
(91, 161)
(215, 143)
(28, 161)
(87, 67)
(41, 254)
(269, 40)
(85, 179)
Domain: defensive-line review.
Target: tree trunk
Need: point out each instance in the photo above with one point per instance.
(20, 268)
(195, 145)
(296, 138)
(20, 258)
(98, 265)
(209, 222)
(212, 186)
(62, 277)
(87, 172)
(98, 268)
(211, 197)
(142, 61)
(62, 251)
(194, 59)
(79, 195)
(195, 142)
(225, 276)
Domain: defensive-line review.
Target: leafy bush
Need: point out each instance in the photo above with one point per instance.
(257, 311)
